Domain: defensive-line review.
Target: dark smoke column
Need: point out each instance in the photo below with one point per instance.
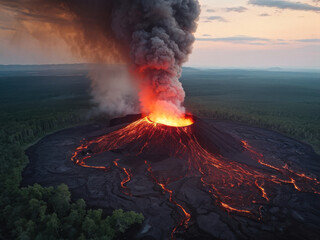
(160, 33)
(160, 36)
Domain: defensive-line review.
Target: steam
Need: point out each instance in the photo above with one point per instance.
(112, 90)
(153, 37)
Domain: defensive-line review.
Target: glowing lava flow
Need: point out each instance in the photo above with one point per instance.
(235, 186)
(125, 180)
(185, 220)
(300, 181)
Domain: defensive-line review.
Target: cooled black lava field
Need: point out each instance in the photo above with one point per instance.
(210, 180)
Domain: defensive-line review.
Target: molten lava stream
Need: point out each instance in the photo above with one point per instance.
(125, 180)
(263, 191)
(185, 220)
(307, 184)
(81, 162)
(234, 184)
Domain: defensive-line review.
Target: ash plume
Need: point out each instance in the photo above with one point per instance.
(153, 37)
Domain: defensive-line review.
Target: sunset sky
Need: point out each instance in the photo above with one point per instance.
(231, 33)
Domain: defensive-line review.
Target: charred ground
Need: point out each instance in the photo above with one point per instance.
(255, 184)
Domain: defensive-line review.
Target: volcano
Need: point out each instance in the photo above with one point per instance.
(198, 179)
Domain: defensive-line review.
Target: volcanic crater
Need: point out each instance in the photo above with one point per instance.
(207, 180)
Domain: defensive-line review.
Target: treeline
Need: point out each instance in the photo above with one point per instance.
(15, 134)
(19, 132)
(37, 212)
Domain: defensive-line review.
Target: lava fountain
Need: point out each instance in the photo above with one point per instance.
(239, 187)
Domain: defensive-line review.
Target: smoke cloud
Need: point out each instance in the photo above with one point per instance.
(153, 37)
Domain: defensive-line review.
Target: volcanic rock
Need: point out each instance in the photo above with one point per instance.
(210, 180)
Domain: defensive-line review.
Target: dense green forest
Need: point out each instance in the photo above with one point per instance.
(30, 109)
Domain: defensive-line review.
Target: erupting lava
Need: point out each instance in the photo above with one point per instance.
(237, 186)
